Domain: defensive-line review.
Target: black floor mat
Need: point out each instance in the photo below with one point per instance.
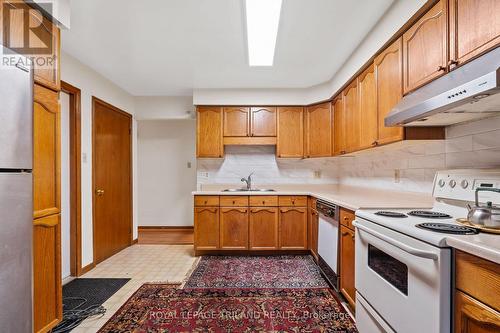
(81, 296)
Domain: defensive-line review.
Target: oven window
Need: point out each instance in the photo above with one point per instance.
(391, 269)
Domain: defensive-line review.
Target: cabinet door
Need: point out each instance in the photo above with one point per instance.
(474, 28)
(388, 74)
(206, 228)
(263, 121)
(263, 232)
(44, 45)
(318, 130)
(367, 109)
(234, 228)
(425, 48)
(472, 316)
(352, 119)
(313, 232)
(347, 265)
(339, 128)
(209, 132)
(293, 228)
(236, 121)
(47, 291)
(290, 141)
(46, 138)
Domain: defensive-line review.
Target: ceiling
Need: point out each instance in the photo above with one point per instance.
(170, 47)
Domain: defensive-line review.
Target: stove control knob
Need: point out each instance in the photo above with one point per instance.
(464, 183)
(453, 183)
(441, 183)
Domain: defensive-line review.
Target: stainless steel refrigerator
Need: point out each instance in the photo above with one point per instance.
(16, 194)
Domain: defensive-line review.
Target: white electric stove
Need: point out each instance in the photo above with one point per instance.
(403, 263)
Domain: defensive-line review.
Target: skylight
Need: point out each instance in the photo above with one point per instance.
(263, 17)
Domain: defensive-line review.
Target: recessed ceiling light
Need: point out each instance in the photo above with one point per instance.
(263, 18)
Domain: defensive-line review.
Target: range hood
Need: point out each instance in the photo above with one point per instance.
(469, 92)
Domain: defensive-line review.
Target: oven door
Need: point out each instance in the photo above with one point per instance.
(406, 281)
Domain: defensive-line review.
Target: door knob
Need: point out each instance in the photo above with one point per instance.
(99, 192)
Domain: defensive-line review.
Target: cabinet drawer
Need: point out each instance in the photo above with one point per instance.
(478, 277)
(206, 200)
(346, 218)
(293, 201)
(264, 201)
(234, 201)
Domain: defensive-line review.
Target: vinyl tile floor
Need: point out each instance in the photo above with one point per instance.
(142, 264)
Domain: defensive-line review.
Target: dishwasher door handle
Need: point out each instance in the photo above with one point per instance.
(398, 244)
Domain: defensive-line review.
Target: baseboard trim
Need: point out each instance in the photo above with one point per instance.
(87, 268)
(169, 235)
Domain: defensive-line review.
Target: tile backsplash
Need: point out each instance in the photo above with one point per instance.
(406, 166)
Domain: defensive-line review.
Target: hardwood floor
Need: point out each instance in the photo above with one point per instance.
(166, 235)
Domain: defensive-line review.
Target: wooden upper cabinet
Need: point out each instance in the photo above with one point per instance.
(46, 40)
(46, 138)
(209, 132)
(388, 78)
(425, 48)
(474, 28)
(339, 128)
(352, 118)
(236, 121)
(290, 141)
(263, 121)
(318, 131)
(367, 104)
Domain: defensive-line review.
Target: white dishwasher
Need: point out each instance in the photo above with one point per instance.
(328, 241)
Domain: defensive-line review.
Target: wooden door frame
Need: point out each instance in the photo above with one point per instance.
(95, 101)
(75, 153)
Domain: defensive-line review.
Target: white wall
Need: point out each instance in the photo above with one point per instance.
(65, 187)
(395, 17)
(164, 107)
(91, 84)
(165, 147)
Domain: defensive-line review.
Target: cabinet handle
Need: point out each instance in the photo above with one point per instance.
(441, 68)
(374, 143)
(205, 202)
(291, 209)
(452, 62)
(345, 233)
(263, 202)
(345, 218)
(352, 236)
(234, 202)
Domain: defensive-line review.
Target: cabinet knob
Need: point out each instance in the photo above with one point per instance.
(206, 202)
(441, 68)
(374, 143)
(234, 202)
(263, 202)
(452, 62)
(345, 218)
(99, 192)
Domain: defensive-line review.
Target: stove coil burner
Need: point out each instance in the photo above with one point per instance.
(446, 228)
(429, 214)
(390, 214)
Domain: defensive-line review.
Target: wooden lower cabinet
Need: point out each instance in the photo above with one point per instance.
(293, 228)
(234, 228)
(313, 232)
(472, 316)
(263, 228)
(347, 264)
(47, 290)
(477, 305)
(206, 228)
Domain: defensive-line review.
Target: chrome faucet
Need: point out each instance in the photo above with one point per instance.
(248, 180)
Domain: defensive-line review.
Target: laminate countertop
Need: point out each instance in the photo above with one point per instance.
(350, 197)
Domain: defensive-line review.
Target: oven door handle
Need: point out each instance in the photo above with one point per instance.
(398, 244)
